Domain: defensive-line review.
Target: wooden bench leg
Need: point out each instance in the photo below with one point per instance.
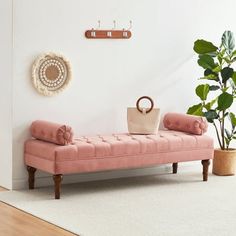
(57, 185)
(175, 167)
(31, 173)
(205, 164)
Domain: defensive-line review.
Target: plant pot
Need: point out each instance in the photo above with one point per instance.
(224, 162)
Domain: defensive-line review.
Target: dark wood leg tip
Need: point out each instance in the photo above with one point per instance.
(57, 185)
(31, 178)
(175, 167)
(205, 164)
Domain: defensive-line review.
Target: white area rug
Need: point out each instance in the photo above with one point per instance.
(158, 205)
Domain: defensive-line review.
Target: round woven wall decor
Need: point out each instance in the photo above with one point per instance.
(51, 73)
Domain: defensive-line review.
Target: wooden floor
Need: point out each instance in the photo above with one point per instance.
(14, 222)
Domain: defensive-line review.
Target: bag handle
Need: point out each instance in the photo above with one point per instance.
(148, 98)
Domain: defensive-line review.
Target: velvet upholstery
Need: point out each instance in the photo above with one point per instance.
(51, 132)
(117, 151)
(185, 123)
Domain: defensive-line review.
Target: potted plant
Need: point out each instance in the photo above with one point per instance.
(217, 93)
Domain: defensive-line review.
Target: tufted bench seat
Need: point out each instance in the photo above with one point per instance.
(116, 151)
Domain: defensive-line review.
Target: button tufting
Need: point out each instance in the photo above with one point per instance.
(66, 135)
(177, 123)
(91, 147)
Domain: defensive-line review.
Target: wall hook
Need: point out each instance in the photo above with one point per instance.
(99, 24)
(114, 24)
(125, 31)
(109, 33)
(130, 25)
(93, 33)
(114, 33)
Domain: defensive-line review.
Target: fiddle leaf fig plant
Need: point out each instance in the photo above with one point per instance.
(217, 91)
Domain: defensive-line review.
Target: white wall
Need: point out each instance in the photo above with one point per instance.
(6, 93)
(109, 75)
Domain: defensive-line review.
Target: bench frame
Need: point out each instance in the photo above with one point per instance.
(58, 178)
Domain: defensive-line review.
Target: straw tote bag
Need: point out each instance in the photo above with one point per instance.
(143, 120)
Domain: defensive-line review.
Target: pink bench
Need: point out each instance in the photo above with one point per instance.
(54, 151)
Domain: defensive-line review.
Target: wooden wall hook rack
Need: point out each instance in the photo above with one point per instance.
(108, 34)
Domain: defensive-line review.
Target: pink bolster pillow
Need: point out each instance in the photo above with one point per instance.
(186, 123)
(51, 132)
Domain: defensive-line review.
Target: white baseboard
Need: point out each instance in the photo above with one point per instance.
(42, 181)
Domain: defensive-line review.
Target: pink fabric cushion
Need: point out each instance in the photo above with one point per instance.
(117, 151)
(186, 123)
(51, 132)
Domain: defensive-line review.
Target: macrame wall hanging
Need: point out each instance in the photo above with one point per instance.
(51, 73)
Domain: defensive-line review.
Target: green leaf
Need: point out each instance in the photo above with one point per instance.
(225, 100)
(211, 115)
(221, 55)
(226, 73)
(228, 41)
(209, 105)
(234, 53)
(234, 77)
(214, 87)
(212, 54)
(227, 141)
(232, 119)
(227, 59)
(208, 72)
(206, 62)
(201, 47)
(196, 110)
(202, 91)
(219, 59)
(217, 69)
(225, 89)
(222, 52)
(210, 77)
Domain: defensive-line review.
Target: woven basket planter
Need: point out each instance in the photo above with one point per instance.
(224, 162)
